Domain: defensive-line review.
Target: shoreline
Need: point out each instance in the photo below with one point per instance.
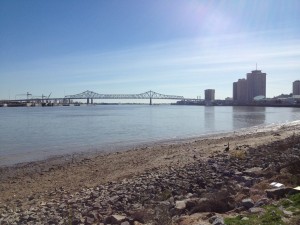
(195, 168)
(145, 144)
(80, 169)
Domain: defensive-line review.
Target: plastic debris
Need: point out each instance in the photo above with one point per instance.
(277, 185)
(297, 188)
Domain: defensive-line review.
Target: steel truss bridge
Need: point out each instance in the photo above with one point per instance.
(90, 95)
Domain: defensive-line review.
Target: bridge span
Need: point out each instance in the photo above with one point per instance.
(90, 96)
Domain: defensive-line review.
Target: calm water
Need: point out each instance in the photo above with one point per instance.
(31, 133)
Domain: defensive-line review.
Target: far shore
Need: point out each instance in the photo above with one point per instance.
(74, 173)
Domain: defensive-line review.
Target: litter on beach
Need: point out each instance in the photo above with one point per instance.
(277, 185)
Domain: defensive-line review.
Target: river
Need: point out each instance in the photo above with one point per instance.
(34, 133)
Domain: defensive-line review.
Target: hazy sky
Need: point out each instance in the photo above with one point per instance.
(174, 47)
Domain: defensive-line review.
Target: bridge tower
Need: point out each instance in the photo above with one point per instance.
(88, 101)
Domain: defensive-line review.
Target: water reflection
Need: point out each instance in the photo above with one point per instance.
(209, 118)
(248, 116)
(295, 114)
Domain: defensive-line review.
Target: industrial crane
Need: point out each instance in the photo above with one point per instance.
(43, 97)
(27, 94)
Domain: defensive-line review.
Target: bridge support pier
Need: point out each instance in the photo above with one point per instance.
(87, 101)
(92, 101)
(150, 101)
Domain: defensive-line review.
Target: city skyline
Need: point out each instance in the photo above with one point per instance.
(177, 48)
(253, 87)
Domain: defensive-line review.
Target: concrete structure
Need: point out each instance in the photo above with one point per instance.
(234, 91)
(256, 84)
(296, 87)
(209, 94)
(242, 91)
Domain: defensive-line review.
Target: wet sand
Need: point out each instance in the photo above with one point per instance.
(73, 173)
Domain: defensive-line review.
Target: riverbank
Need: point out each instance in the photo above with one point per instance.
(127, 182)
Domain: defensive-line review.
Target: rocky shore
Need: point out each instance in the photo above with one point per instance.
(192, 182)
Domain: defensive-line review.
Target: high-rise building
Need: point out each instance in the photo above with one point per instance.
(296, 87)
(209, 94)
(242, 94)
(256, 84)
(234, 91)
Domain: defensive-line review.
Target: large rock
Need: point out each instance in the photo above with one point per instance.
(194, 202)
(213, 203)
(277, 193)
(247, 203)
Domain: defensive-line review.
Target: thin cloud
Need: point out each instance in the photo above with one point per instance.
(171, 64)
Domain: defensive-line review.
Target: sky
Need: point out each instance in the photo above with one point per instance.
(174, 47)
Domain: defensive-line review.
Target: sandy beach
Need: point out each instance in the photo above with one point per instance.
(37, 180)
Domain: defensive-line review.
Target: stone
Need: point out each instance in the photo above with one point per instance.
(115, 219)
(97, 206)
(216, 220)
(245, 218)
(94, 214)
(288, 213)
(192, 202)
(256, 210)
(277, 193)
(189, 195)
(180, 205)
(137, 223)
(247, 203)
(114, 199)
(254, 171)
(125, 223)
(248, 181)
(261, 202)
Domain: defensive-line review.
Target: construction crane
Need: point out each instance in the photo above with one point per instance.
(49, 95)
(27, 94)
(47, 99)
(43, 97)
